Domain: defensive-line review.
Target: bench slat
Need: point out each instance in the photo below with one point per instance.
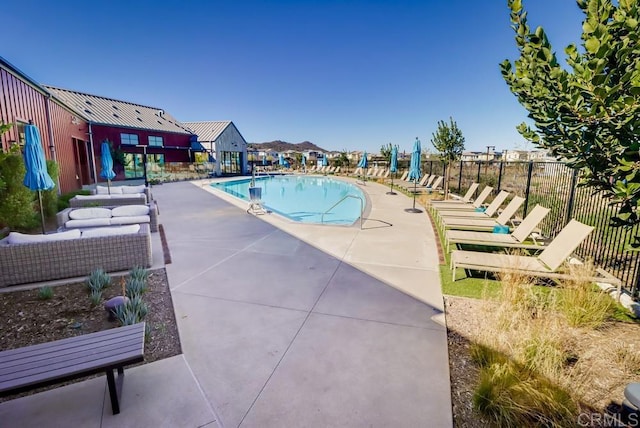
(66, 351)
(70, 357)
(48, 363)
(85, 338)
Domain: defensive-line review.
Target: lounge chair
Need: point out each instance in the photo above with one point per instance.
(430, 187)
(404, 176)
(516, 239)
(546, 265)
(466, 199)
(410, 184)
(482, 224)
(455, 205)
(489, 212)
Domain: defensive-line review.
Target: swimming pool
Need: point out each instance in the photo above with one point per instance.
(302, 198)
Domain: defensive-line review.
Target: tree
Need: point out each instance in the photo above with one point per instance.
(449, 141)
(342, 160)
(385, 152)
(589, 111)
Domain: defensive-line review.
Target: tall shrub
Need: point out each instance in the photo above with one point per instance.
(449, 141)
(16, 200)
(588, 111)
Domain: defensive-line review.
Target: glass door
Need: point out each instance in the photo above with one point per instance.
(134, 165)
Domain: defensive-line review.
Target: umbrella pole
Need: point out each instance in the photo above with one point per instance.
(41, 210)
(391, 192)
(414, 209)
(108, 186)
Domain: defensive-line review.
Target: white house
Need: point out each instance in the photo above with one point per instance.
(225, 143)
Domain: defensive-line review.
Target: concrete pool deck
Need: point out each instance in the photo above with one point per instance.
(282, 324)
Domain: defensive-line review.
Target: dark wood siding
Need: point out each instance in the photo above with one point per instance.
(22, 101)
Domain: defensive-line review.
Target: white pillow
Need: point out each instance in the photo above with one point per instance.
(111, 231)
(104, 190)
(85, 213)
(88, 222)
(130, 210)
(21, 238)
(133, 189)
(130, 219)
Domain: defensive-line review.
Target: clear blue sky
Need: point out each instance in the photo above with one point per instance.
(343, 74)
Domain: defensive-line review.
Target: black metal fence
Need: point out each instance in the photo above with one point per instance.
(555, 186)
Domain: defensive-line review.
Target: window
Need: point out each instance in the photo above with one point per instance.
(155, 141)
(129, 139)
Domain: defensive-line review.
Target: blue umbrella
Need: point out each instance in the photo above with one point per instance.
(37, 178)
(414, 173)
(393, 167)
(107, 164)
(363, 164)
(325, 162)
(304, 160)
(264, 160)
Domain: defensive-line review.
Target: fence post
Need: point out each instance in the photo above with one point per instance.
(526, 190)
(460, 179)
(479, 165)
(572, 196)
(500, 175)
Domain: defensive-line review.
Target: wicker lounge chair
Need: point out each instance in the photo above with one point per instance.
(455, 205)
(489, 212)
(482, 224)
(547, 264)
(513, 240)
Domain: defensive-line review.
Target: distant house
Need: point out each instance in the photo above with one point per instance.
(225, 143)
(133, 128)
(64, 134)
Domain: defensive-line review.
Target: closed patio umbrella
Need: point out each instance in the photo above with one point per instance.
(36, 178)
(304, 162)
(414, 173)
(393, 167)
(106, 161)
(364, 163)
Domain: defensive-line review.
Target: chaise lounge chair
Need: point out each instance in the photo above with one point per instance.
(546, 265)
(484, 224)
(466, 199)
(456, 205)
(489, 212)
(513, 240)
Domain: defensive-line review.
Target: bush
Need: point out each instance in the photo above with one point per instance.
(98, 280)
(63, 200)
(16, 201)
(581, 302)
(45, 293)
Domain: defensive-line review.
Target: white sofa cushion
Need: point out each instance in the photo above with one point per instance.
(104, 190)
(85, 213)
(111, 231)
(131, 219)
(21, 238)
(132, 189)
(129, 210)
(131, 196)
(88, 222)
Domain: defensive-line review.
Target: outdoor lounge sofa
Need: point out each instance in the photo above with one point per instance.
(547, 264)
(34, 258)
(79, 218)
(116, 195)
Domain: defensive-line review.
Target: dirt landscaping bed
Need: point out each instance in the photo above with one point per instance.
(28, 319)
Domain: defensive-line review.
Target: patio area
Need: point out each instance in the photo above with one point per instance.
(282, 324)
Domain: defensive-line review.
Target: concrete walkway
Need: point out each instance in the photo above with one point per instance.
(282, 325)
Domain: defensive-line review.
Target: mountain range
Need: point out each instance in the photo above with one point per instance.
(283, 146)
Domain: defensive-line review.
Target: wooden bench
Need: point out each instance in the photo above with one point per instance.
(23, 369)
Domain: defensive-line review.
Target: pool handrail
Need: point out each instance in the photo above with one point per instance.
(340, 201)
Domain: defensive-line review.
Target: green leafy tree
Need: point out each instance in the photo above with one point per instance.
(587, 112)
(449, 142)
(342, 160)
(385, 152)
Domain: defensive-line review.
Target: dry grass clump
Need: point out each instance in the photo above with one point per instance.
(627, 357)
(530, 374)
(581, 302)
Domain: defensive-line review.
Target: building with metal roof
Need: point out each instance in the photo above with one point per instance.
(225, 143)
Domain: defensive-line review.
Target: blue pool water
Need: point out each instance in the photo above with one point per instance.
(302, 198)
